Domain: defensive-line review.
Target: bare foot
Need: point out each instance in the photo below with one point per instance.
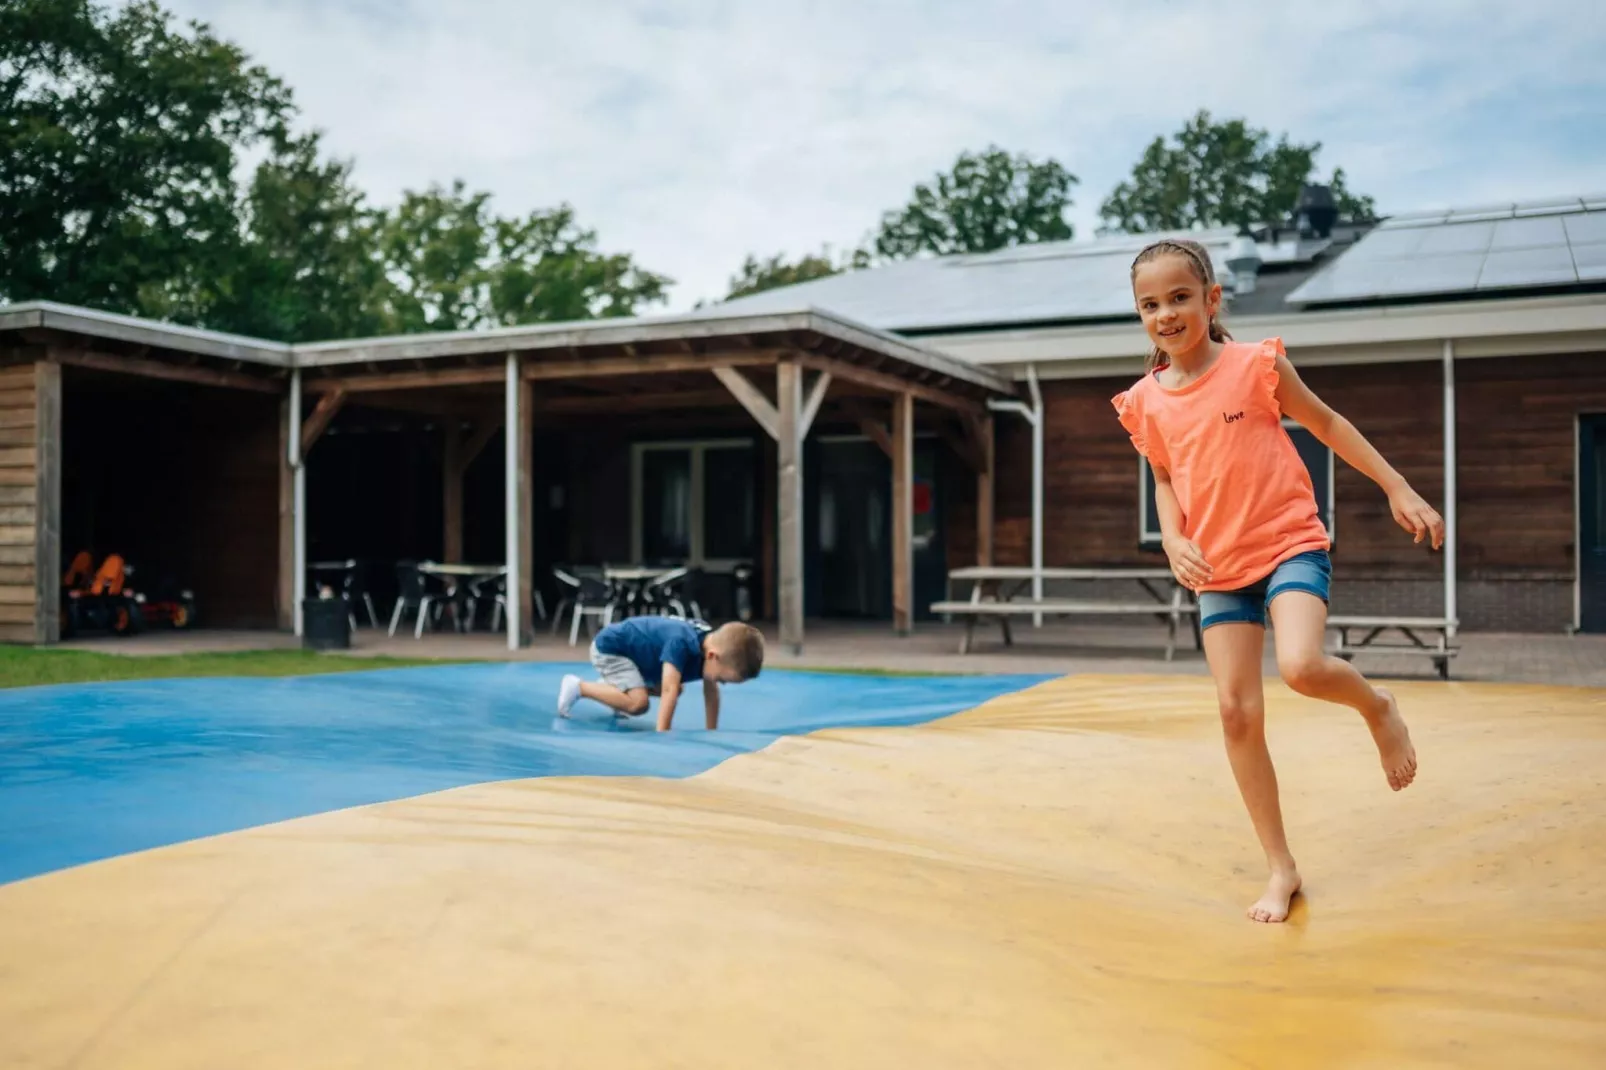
(1273, 906)
(1394, 744)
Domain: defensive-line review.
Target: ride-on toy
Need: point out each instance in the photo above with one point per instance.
(106, 602)
(166, 604)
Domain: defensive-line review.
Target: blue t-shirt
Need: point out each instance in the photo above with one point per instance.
(649, 642)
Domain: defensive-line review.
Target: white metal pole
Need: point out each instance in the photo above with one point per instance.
(515, 601)
(298, 507)
(1037, 490)
(1449, 486)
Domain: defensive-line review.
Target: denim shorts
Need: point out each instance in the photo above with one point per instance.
(1310, 571)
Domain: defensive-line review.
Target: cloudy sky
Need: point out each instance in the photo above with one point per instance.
(692, 132)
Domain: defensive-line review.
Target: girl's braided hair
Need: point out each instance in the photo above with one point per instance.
(1199, 258)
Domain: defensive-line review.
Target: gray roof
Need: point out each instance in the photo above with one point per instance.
(1540, 244)
(1044, 283)
(88, 321)
(716, 323)
(1523, 246)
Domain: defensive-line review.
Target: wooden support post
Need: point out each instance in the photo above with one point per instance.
(284, 590)
(457, 454)
(768, 504)
(984, 489)
(47, 502)
(789, 486)
(298, 510)
(526, 454)
(903, 463)
(452, 494)
(518, 443)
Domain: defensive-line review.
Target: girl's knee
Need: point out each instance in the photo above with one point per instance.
(1241, 716)
(1304, 671)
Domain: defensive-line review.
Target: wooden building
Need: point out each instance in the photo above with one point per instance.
(938, 413)
(1496, 315)
(202, 455)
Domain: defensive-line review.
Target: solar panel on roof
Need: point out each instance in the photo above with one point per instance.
(1529, 233)
(1431, 274)
(1462, 238)
(1583, 229)
(1589, 261)
(1537, 244)
(1548, 266)
(1388, 244)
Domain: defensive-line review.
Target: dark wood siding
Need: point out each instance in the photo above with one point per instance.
(1515, 429)
(29, 452)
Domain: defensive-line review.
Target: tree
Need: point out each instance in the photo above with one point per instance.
(1220, 174)
(434, 249)
(308, 267)
(119, 137)
(454, 265)
(989, 200)
(756, 275)
(546, 268)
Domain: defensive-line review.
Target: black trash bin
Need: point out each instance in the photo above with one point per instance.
(325, 624)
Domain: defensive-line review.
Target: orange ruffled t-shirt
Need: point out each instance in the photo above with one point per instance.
(1247, 500)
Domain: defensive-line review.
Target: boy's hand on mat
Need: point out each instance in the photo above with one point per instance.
(1187, 562)
(1415, 515)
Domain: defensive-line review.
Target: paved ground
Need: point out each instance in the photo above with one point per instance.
(1550, 659)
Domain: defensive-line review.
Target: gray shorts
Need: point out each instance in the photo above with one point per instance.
(617, 671)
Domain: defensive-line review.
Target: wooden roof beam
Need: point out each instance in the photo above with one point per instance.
(761, 408)
(315, 424)
(645, 364)
(604, 404)
(891, 384)
(367, 384)
(155, 369)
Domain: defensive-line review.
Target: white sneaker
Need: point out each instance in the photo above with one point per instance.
(568, 694)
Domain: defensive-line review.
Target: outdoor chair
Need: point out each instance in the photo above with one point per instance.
(414, 593)
(586, 596)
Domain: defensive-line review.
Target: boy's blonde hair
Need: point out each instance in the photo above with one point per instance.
(741, 646)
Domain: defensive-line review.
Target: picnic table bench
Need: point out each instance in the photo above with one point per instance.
(1167, 600)
(1421, 635)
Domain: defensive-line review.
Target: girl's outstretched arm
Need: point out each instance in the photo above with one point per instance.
(1335, 432)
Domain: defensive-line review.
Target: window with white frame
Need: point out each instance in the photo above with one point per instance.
(694, 502)
(1318, 462)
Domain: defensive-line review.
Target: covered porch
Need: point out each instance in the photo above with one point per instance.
(718, 443)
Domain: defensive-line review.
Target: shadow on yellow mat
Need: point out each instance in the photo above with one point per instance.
(1056, 879)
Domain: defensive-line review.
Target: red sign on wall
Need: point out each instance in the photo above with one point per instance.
(922, 496)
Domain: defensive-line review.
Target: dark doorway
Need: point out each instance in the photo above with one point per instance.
(850, 520)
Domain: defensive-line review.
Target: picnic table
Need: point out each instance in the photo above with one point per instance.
(1430, 636)
(996, 592)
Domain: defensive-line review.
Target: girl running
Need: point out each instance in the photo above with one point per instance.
(1241, 525)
